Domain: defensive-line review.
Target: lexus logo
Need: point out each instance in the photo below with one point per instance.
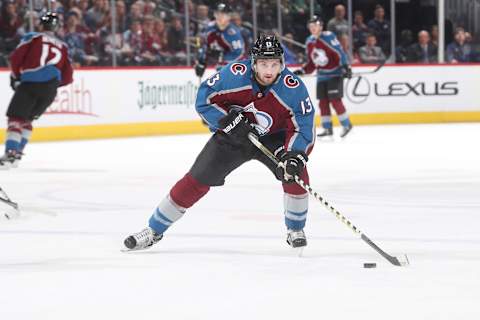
(360, 89)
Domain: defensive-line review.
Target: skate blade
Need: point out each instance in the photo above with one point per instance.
(126, 250)
(297, 251)
(326, 139)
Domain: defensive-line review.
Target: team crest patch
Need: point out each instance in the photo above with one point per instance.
(264, 120)
(291, 82)
(231, 31)
(238, 68)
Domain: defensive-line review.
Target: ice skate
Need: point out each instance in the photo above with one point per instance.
(327, 134)
(297, 240)
(10, 159)
(345, 131)
(142, 240)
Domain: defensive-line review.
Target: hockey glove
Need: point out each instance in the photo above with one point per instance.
(200, 69)
(14, 83)
(299, 72)
(236, 127)
(291, 164)
(347, 72)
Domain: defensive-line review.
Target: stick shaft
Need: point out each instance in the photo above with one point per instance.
(313, 193)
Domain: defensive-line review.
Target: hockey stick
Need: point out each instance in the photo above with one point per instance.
(5, 199)
(393, 260)
(354, 74)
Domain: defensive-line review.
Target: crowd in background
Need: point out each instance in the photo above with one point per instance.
(152, 32)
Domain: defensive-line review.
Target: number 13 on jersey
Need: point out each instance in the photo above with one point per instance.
(306, 105)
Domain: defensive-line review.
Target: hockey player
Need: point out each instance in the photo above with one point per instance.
(223, 41)
(39, 64)
(325, 54)
(260, 96)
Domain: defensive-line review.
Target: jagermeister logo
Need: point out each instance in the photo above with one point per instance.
(157, 95)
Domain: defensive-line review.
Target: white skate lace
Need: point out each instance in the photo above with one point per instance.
(297, 235)
(144, 237)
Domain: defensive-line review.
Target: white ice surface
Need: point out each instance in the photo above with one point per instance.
(412, 189)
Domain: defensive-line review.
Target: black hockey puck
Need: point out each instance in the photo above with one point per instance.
(369, 265)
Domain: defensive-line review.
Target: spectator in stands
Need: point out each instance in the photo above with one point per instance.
(132, 43)
(247, 34)
(202, 19)
(468, 38)
(10, 25)
(345, 43)
(370, 52)
(359, 30)
(121, 14)
(381, 28)
(75, 41)
(135, 14)
(402, 50)
(424, 51)
(96, 17)
(110, 44)
(434, 35)
(338, 24)
(458, 50)
(176, 37)
(150, 49)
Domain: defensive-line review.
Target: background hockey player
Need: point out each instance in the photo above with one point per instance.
(325, 54)
(222, 42)
(39, 64)
(260, 96)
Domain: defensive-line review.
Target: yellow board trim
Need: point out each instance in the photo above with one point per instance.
(188, 127)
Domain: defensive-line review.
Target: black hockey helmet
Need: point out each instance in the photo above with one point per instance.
(315, 19)
(267, 47)
(50, 21)
(224, 8)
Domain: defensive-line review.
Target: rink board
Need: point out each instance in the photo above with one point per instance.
(103, 103)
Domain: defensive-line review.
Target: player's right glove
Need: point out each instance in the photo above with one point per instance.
(299, 72)
(14, 83)
(290, 164)
(236, 127)
(200, 69)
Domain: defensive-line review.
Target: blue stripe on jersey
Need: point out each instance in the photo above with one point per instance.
(44, 74)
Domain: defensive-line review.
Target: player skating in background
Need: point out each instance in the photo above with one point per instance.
(222, 42)
(39, 64)
(325, 54)
(257, 96)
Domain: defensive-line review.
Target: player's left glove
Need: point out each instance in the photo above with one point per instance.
(14, 83)
(200, 69)
(347, 71)
(236, 127)
(291, 163)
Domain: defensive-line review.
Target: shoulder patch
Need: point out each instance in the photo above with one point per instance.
(327, 33)
(238, 68)
(291, 82)
(231, 31)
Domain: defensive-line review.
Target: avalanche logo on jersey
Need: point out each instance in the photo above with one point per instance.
(319, 57)
(264, 120)
(291, 82)
(238, 68)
